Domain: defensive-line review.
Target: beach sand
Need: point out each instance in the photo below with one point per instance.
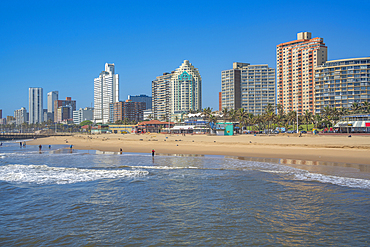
(343, 149)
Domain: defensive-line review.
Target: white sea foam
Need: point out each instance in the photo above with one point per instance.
(164, 167)
(43, 174)
(342, 181)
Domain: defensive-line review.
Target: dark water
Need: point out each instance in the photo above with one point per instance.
(86, 198)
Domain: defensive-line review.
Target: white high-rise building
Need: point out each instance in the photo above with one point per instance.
(52, 96)
(20, 116)
(36, 113)
(106, 91)
(186, 89)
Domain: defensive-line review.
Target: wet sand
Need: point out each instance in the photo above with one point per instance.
(343, 149)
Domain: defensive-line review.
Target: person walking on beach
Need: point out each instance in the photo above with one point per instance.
(20, 144)
(153, 151)
(120, 150)
(40, 147)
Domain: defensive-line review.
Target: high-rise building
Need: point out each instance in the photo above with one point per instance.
(1, 113)
(62, 115)
(35, 105)
(231, 86)
(106, 91)
(340, 83)
(142, 98)
(186, 89)
(52, 96)
(161, 96)
(251, 87)
(296, 61)
(83, 114)
(20, 116)
(132, 111)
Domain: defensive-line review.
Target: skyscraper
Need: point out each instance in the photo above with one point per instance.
(52, 96)
(161, 96)
(251, 87)
(186, 89)
(35, 105)
(106, 91)
(296, 61)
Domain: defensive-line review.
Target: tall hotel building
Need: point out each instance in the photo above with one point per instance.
(251, 87)
(296, 61)
(36, 113)
(161, 96)
(52, 96)
(106, 91)
(340, 83)
(186, 89)
(177, 93)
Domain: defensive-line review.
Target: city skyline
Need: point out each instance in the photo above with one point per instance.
(68, 55)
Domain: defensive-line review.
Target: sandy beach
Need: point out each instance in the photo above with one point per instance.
(343, 149)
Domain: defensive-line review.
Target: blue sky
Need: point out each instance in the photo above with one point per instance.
(63, 45)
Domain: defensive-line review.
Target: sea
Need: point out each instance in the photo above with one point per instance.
(59, 196)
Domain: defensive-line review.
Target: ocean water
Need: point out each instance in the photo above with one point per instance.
(90, 198)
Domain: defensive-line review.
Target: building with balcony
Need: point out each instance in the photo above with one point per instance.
(251, 87)
(131, 111)
(161, 96)
(68, 102)
(340, 83)
(296, 61)
(83, 114)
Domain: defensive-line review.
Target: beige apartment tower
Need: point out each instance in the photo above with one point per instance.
(296, 62)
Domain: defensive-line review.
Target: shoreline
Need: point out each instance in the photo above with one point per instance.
(354, 150)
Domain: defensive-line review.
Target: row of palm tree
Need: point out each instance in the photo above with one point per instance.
(273, 117)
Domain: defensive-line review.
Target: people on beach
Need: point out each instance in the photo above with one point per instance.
(49, 146)
(20, 144)
(1, 144)
(24, 144)
(120, 150)
(153, 151)
(40, 147)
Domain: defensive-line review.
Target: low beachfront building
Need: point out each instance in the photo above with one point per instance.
(357, 123)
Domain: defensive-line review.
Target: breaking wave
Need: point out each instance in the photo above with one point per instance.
(43, 174)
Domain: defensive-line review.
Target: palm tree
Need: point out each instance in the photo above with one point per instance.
(225, 114)
(213, 120)
(291, 117)
(355, 108)
(308, 117)
(232, 114)
(365, 106)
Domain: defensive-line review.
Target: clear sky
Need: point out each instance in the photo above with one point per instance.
(63, 45)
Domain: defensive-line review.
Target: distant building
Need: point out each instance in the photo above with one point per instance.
(161, 96)
(132, 111)
(106, 91)
(295, 62)
(36, 114)
(52, 96)
(20, 116)
(142, 98)
(1, 113)
(340, 83)
(2, 121)
(83, 114)
(68, 102)
(251, 87)
(63, 113)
